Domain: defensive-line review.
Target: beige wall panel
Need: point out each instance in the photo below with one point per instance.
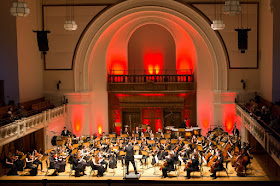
(62, 42)
(30, 64)
(230, 36)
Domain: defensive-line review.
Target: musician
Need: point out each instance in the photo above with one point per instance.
(184, 124)
(193, 165)
(169, 165)
(29, 161)
(78, 166)
(149, 130)
(96, 165)
(103, 136)
(130, 158)
(53, 164)
(218, 166)
(10, 163)
(102, 157)
(235, 131)
(65, 132)
(37, 158)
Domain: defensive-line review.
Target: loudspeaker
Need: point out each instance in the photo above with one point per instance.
(242, 39)
(42, 39)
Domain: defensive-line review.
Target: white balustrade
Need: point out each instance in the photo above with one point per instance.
(20, 128)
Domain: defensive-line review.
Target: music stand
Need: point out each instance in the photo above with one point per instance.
(146, 135)
(124, 135)
(173, 141)
(151, 142)
(163, 141)
(167, 136)
(157, 135)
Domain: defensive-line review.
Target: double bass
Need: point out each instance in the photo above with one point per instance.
(241, 163)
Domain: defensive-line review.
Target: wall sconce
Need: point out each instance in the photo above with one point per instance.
(243, 82)
(58, 84)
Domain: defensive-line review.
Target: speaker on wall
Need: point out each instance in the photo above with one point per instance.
(42, 39)
(243, 39)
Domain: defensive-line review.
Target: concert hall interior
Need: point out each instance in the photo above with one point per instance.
(130, 92)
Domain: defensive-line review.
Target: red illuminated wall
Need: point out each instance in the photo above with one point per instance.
(151, 48)
(229, 116)
(78, 119)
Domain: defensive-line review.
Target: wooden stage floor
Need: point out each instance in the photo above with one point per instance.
(255, 173)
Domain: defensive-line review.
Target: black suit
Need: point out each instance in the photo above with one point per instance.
(193, 166)
(168, 167)
(129, 158)
(235, 132)
(65, 133)
(219, 167)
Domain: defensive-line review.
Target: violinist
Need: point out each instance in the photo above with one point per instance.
(78, 166)
(96, 165)
(37, 158)
(169, 164)
(102, 157)
(192, 165)
(68, 145)
(218, 165)
(10, 164)
(53, 164)
(29, 165)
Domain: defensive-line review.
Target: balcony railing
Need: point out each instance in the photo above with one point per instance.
(25, 126)
(142, 76)
(265, 135)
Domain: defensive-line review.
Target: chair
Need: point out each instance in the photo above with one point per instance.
(71, 169)
(92, 170)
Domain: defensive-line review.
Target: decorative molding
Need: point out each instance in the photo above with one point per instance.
(150, 86)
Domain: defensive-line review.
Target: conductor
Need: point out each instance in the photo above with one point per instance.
(129, 158)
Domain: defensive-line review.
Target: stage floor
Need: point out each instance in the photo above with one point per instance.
(255, 173)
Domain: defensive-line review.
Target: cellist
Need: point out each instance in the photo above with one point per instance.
(192, 166)
(218, 165)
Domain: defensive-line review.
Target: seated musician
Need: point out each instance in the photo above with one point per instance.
(102, 157)
(10, 163)
(65, 132)
(53, 164)
(137, 131)
(37, 159)
(161, 133)
(68, 145)
(103, 136)
(29, 161)
(193, 166)
(169, 164)
(96, 165)
(218, 166)
(78, 166)
(149, 130)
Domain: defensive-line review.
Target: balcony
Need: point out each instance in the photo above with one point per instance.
(25, 126)
(266, 136)
(167, 80)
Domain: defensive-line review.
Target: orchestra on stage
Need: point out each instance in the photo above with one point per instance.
(165, 151)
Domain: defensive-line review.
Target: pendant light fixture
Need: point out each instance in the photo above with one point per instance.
(70, 24)
(19, 9)
(218, 23)
(232, 7)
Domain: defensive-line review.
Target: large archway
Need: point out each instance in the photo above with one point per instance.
(90, 60)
